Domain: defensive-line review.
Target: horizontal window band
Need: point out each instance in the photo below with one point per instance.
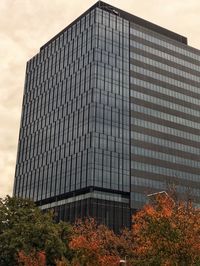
(164, 61)
(165, 73)
(165, 164)
(163, 109)
(173, 72)
(163, 49)
(163, 84)
(165, 97)
(163, 149)
(164, 129)
(165, 136)
(166, 123)
(165, 117)
(139, 151)
(173, 180)
(146, 138)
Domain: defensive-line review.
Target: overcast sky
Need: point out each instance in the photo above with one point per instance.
(25, 25)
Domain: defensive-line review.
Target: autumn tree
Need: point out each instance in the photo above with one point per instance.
(25, 228)
(94, 244)
(166, 233)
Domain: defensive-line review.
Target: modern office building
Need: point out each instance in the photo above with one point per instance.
(111, 113)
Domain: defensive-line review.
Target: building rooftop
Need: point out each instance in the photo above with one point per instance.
(127, 16)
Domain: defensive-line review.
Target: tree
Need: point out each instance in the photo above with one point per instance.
(166, 233)
(94, 244)
(25, 228)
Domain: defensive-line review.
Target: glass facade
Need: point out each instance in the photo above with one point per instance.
(55, 145)
(165, 116)
(111, 101)
(74, 134)
(110, 114)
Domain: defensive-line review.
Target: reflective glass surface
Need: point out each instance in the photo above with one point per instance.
(165, 118)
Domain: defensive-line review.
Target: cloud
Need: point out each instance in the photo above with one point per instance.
(25, 25)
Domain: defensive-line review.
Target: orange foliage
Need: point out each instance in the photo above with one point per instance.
(33, 259)
(82, 242)
(109, 260)
(167, 232)
(149, 210)
(94, 244)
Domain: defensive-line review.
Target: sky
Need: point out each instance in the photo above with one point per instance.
(25, 25)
